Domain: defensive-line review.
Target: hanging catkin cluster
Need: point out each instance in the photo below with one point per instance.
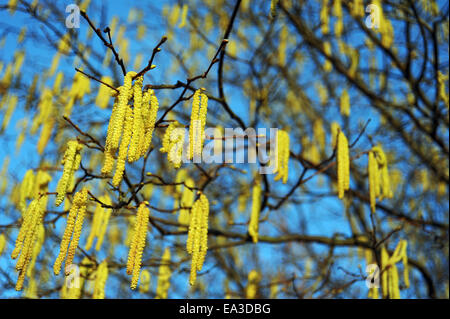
(101, 276)
(343, 164)
(138, 243)
(71, 162)
(164, 274)
(173, 142)
(282, 167)
(73, 228)
(130, 129)
(99, 223)
(379, 181)
(252, 286)
(198, 123)
(389, 273)
(253, 226)
(27, 238)
(197, 241)
(187, 200)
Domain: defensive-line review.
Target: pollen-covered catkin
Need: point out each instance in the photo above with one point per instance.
(384, 180)
(71, 162)
(253, 225)
(173, 142)
(343, 164)
(197, 242)
(104, 93)
(197, 124)
(345, 103)
(282, 149)
(134, 151)
(73, 226)
(142, 216)
(144, 285)
(389, 271)
(187, 200)
(121, 159)
(164, 274)
(125, 93)
(374, 185)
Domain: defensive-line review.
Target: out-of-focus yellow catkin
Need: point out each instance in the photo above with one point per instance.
(197, 124)
(374, 185)
(71, 162)
(343, 164)
(149, 113)
(173, 141)
(100, 281)
(282, 150)
(141, 30)
(273, 8)
(145, 281)
(99, 223)
(164, 274)
(441, 88)
(282, 46)
(2, 243)
(253, 225)
(345, 103)
(197, 241)
(337, 8)
(186, 202)
(385, 185)
(252, 286)
(73, 227)
(12, 103)
(184, 13)
(104, 93)
(324, 17)
(357, 8)
(327, 66)
(122, 156)
(389, 275)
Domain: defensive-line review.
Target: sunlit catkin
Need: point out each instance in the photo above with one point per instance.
(122, 156)
(197, 124)
(384, 180)
(374, 186)
(73, 227)
(144, 285)
(135, 150)
(2, 243)
(104, 93)
(197, 242)
(343, 164)
(253, 225)
(164, 274)
(186, 202)
(150, 107)
(71, 162)
(99, 223)
(252, 285)
(138, 243)
(345, 103)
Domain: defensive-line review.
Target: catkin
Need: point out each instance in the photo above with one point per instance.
(145, 281)
(389, 271)
(197, 242)
(379, 180)
(164, 273)
(138, 244)
(187, 200)
(256, 207)
(73, 227)
(173, 142)
(197, 124)
(104, 93)
(2, 243)
(100, 281)
(121, 159)
(343, 164)
(134, 151)
(252, 285)
(149, 113)
(71, 162)
(282, 148)
(345, 103)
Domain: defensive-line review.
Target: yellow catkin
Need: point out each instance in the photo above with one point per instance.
(327, 66)
(184, 12)
(104, 93)
(100, 281)
(343, 165)
(120, 116)
(389, 275)
(253, 226)
(73, 227)
(357, 8)
(273, 8)
(252, 285)
(108, 163)
(142, 217)
(197, 242)
(283, 153)
(164, 274)
(144, 285)
(324, 17)
(337, 8)
(71, 162)
(172, 143)
(345, 103)
(134, 151)
(374, 185)
(121, 159)
(149, 113)
(443, 93)
(29, 233)
(2, 243)
(384, 180)
(187, 200)
(197, 124)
